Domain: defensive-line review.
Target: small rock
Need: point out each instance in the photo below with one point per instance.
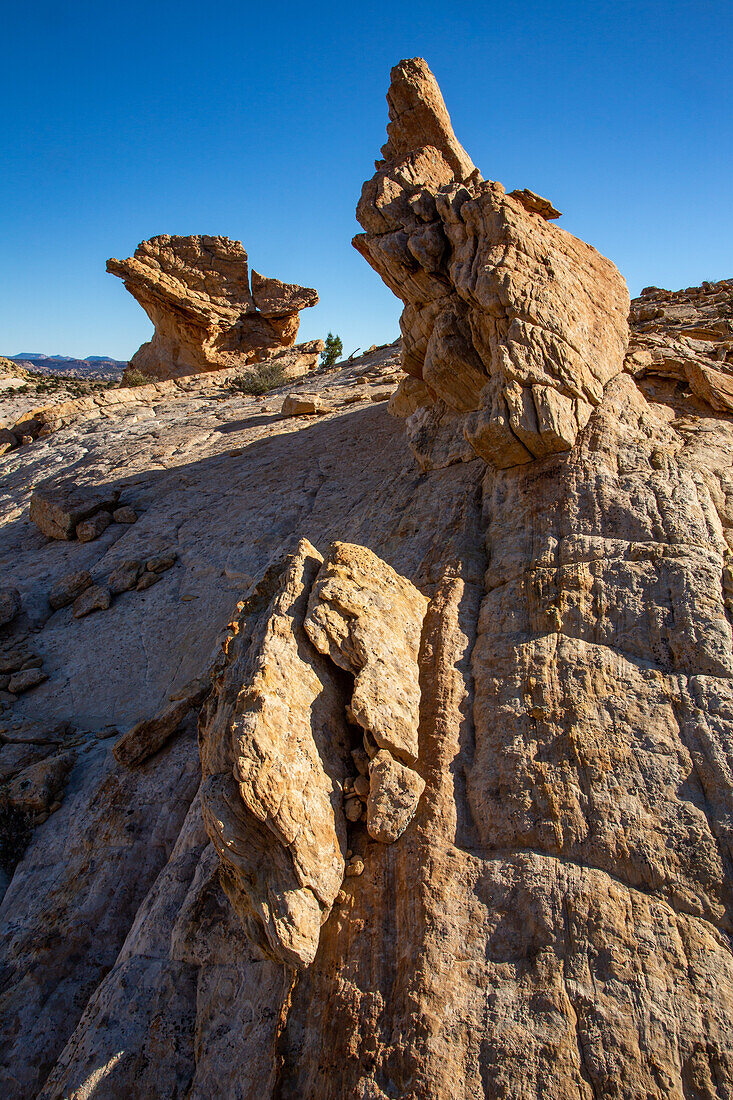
(124, 577)
(370, 745)
(92, 528)
(95, 598)
(23, 681)
(13, 660)
(26, 439)
(306, 404)
(38, 787)
(9, 605)
(161, 562)
(32, 662)
(352, 809)
(66, 590)
(355, 868)
(125, 514)
(361, 786)
(150, 734)
(361, 761)
(147, 581)
(107, 731)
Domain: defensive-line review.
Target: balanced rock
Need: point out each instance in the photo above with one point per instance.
(514, 326)
(196, 291)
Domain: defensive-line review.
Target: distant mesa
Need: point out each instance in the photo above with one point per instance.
(93, 367)
(196, 291)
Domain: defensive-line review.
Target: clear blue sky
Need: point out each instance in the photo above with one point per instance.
(261, 122)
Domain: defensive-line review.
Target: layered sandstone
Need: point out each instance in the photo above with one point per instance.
(458, 819)
(513, 326)
(196, 291)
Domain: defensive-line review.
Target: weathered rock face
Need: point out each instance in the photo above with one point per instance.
(274, 745)
(513, 325)
(276, 748)
(458, 825)
(196, 291)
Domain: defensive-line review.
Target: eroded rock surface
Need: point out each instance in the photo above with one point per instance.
(555, 920)
(196, 291)
(514, 325)
(274, 745)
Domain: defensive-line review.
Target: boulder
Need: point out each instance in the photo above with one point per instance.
(150, 734)
(368, 620)
(196, 291)
(95, 598)
(394, 792)
(304, 404)
(124, 577)
(90, 529)
(57, 509)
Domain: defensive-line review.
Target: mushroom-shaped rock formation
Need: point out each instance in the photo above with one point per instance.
(196, 291)
(512, 325)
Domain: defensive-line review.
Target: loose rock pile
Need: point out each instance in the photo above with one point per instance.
(69, 510)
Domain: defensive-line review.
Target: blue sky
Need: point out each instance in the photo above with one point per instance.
(261, 122)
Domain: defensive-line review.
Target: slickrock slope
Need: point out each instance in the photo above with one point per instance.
(196, 291)
(455, 819)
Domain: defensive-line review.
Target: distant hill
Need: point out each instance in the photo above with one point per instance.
(94, 366)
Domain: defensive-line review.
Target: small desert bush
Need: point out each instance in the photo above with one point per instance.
(135, 377)
(268, 377)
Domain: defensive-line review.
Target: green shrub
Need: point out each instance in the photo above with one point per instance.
(332, 351)
(135, 377)
(268, 377)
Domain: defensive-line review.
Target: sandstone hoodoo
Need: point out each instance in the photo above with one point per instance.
(349, 761)
(512, 326)
(196, 291)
